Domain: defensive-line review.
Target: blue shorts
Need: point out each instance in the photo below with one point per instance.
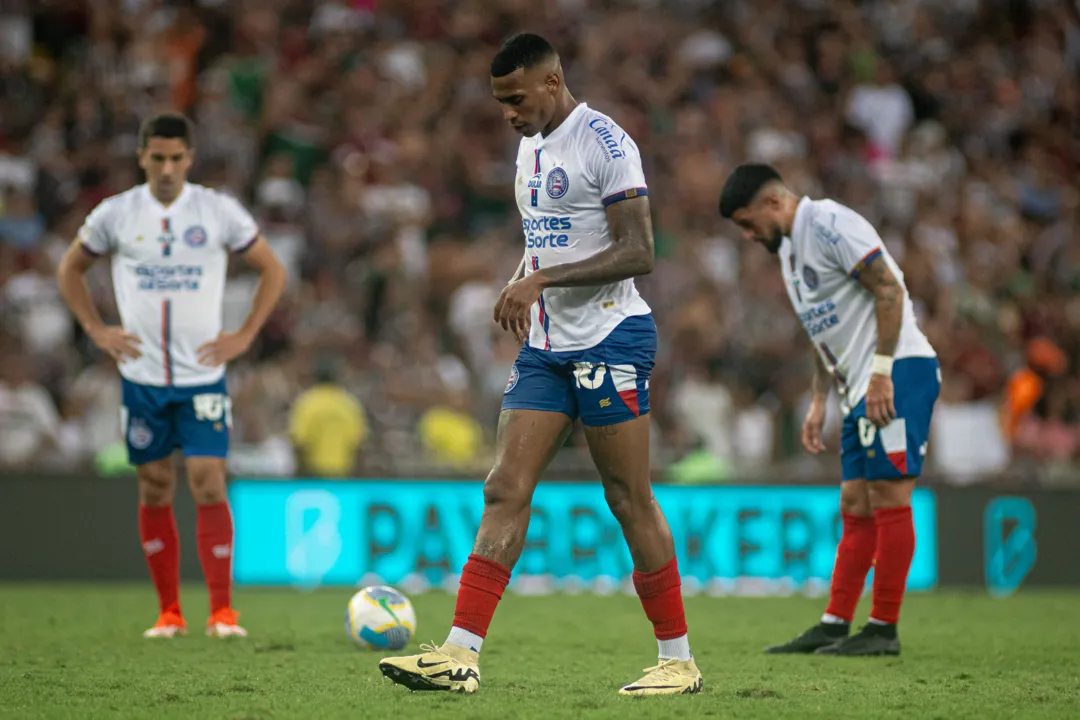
(897, 450)
(604, 385)
(157, 420)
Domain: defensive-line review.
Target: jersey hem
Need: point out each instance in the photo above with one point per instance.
(597, 341)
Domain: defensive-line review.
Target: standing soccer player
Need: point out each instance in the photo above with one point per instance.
(170, 241)
(589, 353)
(851, 299)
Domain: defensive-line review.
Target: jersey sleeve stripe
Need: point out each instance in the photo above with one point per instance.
(625, 195)
(90, 251)
(867, 259)
(248, 245)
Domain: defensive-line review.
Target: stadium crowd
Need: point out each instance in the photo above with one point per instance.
(362, 135)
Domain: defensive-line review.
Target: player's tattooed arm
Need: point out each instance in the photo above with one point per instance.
(630, 254)
(889, 301)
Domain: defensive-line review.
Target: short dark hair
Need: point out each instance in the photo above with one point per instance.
(743, 185)
(166, 125)
(523, 50)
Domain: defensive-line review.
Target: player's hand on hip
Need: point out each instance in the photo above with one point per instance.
(813, 426)
(879, 400)
(117, 343)
(513, 308)
(224, 348)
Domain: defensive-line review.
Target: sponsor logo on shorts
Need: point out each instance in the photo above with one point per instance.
(513, 381)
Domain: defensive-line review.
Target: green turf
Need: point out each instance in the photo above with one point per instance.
(71, 651)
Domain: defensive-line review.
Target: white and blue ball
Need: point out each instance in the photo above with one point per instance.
(380, 618)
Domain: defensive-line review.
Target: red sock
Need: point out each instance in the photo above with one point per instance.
(214, 534)
(895, 548)
(661, 596)
(482, 585)
(161, 543)
(854, 556)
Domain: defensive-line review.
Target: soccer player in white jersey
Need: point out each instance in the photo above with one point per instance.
(590, 344)
(851, 299)
(169, 242)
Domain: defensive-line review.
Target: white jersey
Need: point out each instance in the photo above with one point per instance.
(829, 246)
(565, 182)
(168, 268)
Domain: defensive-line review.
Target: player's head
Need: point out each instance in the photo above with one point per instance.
(526, 78)
(755, 198)
(166, 153)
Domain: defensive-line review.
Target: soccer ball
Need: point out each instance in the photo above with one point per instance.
(380, 618)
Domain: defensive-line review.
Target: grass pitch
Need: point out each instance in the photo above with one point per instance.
(75, 651)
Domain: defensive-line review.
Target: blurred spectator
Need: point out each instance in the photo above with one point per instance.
(327, 427)
(29, 423)
(363, 137)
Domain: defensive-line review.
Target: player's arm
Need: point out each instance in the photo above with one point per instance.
(272, 276)
(519, 273)
(822, 381)
(630, 254)
(879, 280)
(71, 279)
(814, 424)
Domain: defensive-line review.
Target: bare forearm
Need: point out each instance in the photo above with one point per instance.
(271, 285)
(890, 314)
(73, 288)
(612, 264)
(888, 304)
(630, 254)
(822, 381)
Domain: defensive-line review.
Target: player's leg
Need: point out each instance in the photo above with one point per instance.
(203, 419)
(612, 388)
(854, 552)
(147, 427)
(537, 416)
(894, 459)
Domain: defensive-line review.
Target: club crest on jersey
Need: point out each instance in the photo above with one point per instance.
(557, 183)
(513, 381)
(139, 434)
(195, 236)
(810, 277)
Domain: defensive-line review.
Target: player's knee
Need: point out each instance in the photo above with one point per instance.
(855, 499)
(207, 483)
(157, 484)
(890, 493)
(506, 489)
(624, 500)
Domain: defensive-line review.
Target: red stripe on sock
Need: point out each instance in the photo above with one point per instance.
(661, 597)
(214, 536)
(161, 545)
(482, 584)
(854, 556)
(895, 549)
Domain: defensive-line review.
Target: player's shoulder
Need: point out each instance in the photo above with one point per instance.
(831, 221)
(204, 195)
(121, 201)
(600, 132)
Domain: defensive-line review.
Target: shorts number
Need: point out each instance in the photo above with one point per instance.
(585, 377)
(212, 407)
(867, 432)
